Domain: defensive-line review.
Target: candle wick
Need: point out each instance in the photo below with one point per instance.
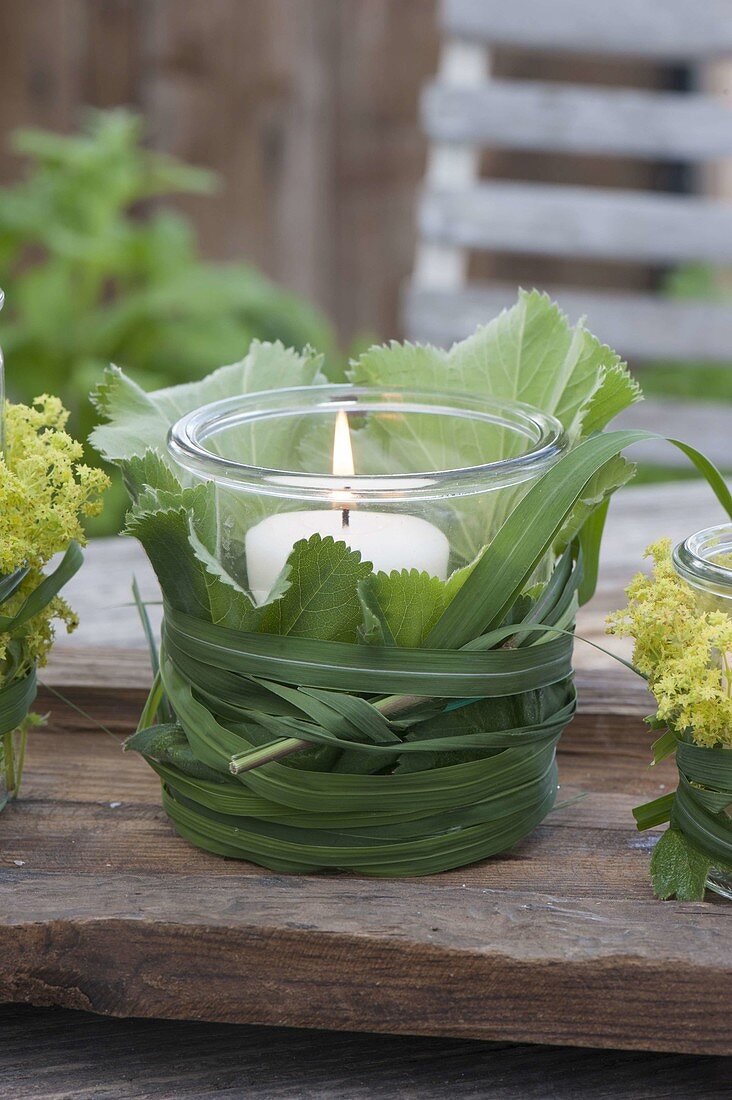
(345, 515)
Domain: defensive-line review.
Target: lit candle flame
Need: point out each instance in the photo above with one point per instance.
(342, 450)
(343, 462)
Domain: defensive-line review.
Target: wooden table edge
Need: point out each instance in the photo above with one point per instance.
(160, 951)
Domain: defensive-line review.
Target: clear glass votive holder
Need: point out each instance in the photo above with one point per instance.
(704, 561)
(413, 480)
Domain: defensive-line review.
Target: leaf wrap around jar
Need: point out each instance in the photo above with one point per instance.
(231, 691)
(406, 757)
(396, 823)
(703, 796)
(699, 838)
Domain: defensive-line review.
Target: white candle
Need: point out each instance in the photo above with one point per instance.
(388, 540)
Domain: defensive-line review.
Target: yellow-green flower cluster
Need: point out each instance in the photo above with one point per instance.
(45, 488)
(45, 492)
(683, 650)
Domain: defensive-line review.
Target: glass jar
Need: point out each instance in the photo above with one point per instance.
(410, 479)
(704, 561)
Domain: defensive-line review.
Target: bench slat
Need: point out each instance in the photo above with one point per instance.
(705, 426)
(640, 326)
(547, 219)
(669, 29)
(579, 119)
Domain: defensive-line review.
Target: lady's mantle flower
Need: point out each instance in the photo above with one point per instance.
(45, 491)
(684, 651)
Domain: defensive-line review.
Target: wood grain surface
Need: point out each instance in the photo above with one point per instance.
(104, 908)
(173, 1060)
(534, 218)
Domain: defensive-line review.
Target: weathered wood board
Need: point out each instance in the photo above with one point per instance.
(176, 1060)
(104, 908)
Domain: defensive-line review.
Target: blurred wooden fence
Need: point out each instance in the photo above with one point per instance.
(307, 109)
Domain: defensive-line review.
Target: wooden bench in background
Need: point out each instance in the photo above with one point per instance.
(466, 111)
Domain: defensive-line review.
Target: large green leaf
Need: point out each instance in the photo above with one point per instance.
(140, 421)
(678, 867)
(529, 353)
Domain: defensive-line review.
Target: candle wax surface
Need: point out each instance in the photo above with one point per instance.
(388, 540)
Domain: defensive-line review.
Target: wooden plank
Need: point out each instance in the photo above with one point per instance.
(568, 118)
(385, 50)
(639, 326)
(211, 1061)
(462, 65)
(95, 883)
(557, 941)
(401, 958)
(546, 219)
(664, 29)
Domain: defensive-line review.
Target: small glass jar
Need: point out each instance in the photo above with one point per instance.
(410, 479)
(704, 561)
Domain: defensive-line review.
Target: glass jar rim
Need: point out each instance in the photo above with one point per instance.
(693, 562)
(188, 437)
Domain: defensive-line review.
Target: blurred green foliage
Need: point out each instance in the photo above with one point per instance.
(95, 271)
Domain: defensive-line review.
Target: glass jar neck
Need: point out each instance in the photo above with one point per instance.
(704, 560)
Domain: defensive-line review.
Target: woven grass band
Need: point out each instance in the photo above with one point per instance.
(450, 759)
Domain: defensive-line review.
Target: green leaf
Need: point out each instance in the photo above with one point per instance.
(405, 605)
(617, 389)
(678, 868)
(529, 353)
(150, 470)
(139, 421)
(322, 599)
(168, 744)
(172, 528)
(590, 540)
